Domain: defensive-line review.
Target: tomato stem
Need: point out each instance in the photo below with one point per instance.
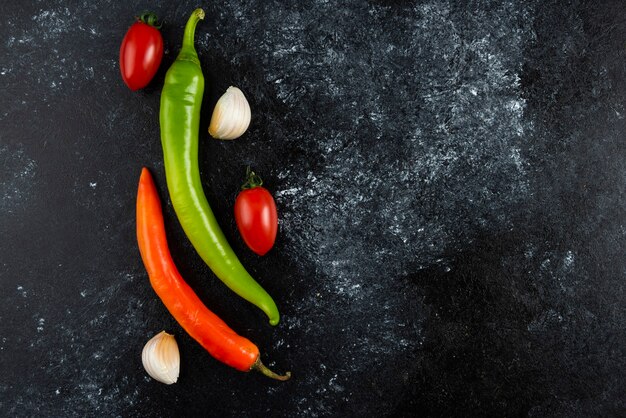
(151, 19)
(260, 367)
(252, 180)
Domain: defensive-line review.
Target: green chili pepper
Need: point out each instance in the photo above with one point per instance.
(180, 121)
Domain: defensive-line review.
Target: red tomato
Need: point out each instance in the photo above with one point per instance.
(141, 52)
(256, 217)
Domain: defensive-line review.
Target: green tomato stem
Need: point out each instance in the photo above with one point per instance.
(151, 19)
(252, 180)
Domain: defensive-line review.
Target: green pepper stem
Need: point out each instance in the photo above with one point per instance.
(190, 28)
(252, 180)
(260, 367)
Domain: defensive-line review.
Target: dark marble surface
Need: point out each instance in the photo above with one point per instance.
(450, 179)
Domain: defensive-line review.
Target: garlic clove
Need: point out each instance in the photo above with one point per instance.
(161, 358)
(231, 116)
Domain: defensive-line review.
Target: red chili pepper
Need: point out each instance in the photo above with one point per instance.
(200, 323)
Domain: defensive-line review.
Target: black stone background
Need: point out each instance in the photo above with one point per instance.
(450, 184)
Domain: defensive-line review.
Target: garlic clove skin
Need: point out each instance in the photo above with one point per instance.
(231, 116)
(161, 358)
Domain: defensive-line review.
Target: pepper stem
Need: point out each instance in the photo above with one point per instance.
(252, 180)
(260, 367)
(190, 28)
